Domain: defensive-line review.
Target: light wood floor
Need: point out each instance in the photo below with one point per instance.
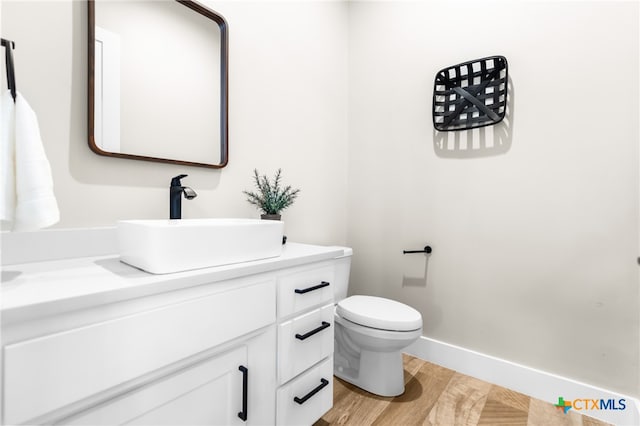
(435, 395)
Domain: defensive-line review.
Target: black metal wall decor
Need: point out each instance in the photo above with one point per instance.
(471, 94)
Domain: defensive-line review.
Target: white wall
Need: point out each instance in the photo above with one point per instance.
(534, 222)
(288, 109)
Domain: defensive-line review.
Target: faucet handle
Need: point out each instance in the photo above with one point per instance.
(176, 180)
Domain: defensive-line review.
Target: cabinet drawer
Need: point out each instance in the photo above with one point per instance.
(308, 397)
(49, 372)
(303, 341)
(305, 289)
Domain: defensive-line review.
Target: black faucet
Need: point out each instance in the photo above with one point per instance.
(175, 197)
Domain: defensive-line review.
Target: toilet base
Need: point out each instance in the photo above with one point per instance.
(370, 358)
(380, 373)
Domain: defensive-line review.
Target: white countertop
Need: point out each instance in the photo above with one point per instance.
(32, 290)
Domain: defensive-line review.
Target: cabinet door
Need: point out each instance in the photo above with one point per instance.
(209, 393)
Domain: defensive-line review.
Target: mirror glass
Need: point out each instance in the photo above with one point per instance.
(158, 81)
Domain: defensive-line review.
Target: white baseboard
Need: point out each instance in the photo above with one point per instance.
(529, 381)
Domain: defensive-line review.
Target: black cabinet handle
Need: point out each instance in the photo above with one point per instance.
(314, 331)
(245, 389)
(323, 383)
(315, 287)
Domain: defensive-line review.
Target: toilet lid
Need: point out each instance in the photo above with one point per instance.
(380, 313)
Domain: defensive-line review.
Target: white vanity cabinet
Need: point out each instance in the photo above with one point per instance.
(305, 344)
(148, 367)
(92, 341)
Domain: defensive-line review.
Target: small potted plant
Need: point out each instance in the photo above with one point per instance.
(271, 196)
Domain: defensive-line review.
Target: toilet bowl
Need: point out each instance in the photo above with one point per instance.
(370, 334)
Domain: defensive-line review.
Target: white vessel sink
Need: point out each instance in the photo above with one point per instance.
(165, 246)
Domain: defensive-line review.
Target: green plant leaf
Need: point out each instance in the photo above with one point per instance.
(271, 197)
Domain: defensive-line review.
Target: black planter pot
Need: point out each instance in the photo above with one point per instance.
(270, 217)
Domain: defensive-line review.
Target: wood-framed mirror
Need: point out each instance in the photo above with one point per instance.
(158, 82)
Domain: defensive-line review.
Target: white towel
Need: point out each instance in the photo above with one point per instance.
(27, 194)
(7, 156)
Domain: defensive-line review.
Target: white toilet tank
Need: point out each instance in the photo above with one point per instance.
(343, 268)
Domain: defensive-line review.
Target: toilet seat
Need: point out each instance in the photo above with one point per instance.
(379, 313)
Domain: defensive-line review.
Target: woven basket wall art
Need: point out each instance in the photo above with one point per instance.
(471, 94)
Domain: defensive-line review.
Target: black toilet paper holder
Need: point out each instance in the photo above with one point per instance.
(427, 249)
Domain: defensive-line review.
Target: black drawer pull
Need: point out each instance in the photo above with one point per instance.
(315, 287)
(245, 389)
(323, 383)
(314, 331)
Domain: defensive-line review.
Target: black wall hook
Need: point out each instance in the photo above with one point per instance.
(11, 73)
(6, 42)
(427, 249)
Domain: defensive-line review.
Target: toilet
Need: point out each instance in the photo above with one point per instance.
(370, 334)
